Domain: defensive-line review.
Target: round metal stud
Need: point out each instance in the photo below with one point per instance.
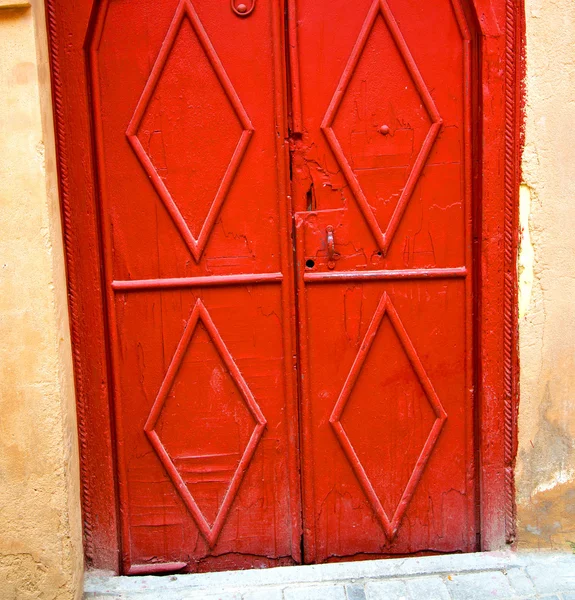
(384, 129)
(243, 9)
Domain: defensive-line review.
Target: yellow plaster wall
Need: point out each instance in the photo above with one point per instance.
(546, 460)
(40, 525)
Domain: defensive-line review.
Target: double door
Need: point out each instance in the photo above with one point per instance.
(285, 197)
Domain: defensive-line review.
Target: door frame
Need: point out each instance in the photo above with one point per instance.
(501, 67)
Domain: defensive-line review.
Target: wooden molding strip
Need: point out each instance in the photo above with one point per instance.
(206, 281)
(449, 273)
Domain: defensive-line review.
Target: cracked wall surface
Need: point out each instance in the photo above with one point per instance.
(40, 533)
(545, 474)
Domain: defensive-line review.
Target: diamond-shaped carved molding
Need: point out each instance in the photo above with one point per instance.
(195, 244)
(390, 524)
(209, 532)
(383, 238)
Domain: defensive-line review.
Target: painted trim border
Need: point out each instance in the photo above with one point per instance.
(514, 67)
(72, 276)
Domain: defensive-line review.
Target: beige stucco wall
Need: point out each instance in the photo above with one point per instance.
(546, 461)
(40, 534)
(40, 540)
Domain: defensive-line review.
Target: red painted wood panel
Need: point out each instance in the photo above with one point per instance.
(193, 196)
(383, 194)
(172, 140)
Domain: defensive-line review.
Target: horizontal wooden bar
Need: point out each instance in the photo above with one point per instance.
(155, 568)
(451, 273)
(135, 285)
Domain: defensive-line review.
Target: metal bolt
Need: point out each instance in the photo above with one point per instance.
(241, 8)
(384, 129)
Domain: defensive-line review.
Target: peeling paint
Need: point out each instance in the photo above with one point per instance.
(560, 477)
(526, 251)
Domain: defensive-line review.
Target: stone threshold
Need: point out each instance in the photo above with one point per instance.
(546, 572)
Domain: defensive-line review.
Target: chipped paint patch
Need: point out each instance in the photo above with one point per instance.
(547, 520)
(560, 477)
(526, 251)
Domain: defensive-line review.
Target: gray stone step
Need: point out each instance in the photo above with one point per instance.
(480, 576)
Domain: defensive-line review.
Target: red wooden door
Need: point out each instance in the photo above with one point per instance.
(188, 110)
(383, 180)
(202, 230)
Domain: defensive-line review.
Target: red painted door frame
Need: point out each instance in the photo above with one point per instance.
(500, 68)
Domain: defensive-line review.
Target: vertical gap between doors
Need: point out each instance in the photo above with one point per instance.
(294, 136)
